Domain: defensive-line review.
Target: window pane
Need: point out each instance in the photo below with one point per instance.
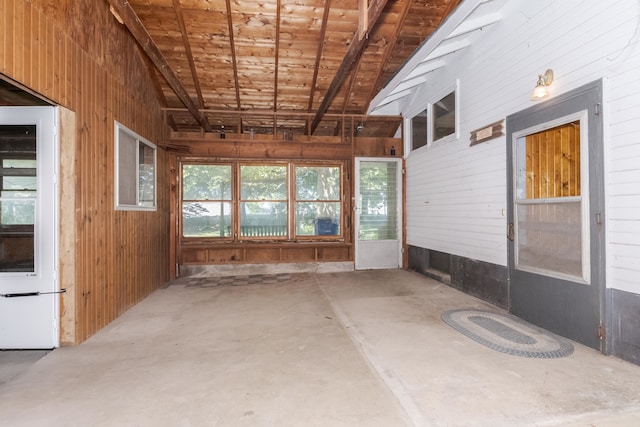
(263, 219)
(206, 182)
(444, 117)
(378, 214)
(550, 237)
(127, 146)
(18, 196)
(263, 182)
(317, 183)
(419, 130)
(19, 164)
(146, 175)
(19, 183)
(206, 219)
(17, 211)
(317, 218)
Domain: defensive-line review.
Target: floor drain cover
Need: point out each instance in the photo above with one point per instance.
(507, 334)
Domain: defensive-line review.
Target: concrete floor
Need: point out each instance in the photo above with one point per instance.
(336, 349)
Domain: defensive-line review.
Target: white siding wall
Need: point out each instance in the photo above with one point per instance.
(456, 194)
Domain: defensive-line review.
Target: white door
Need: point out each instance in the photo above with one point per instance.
(28, 234)
(378, 213)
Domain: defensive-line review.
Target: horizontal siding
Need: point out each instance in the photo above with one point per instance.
(623, 177)
(460, 209)
(456, 194)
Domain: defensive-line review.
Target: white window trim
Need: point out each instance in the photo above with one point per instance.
(137, 207)
(455, 87)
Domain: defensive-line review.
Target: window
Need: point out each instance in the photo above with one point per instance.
(135, 171)
(18, 196)
(263, 201)
(438, 122)
(550, 201)
(277, 200)
(206, 200)
(444, 117)
(317, 200)
(419, 126)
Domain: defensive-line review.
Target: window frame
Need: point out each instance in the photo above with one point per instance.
(427, 111)
(455, 89)
(231, 201)
(291, 201)
(239, 201)
(119, 175)
(295, 201)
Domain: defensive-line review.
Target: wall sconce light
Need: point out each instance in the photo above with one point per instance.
(544, 80)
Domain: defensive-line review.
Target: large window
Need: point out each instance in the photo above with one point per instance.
(263, 200)
(135, 171)
(272, 201)
(317, 200)
(206, 200)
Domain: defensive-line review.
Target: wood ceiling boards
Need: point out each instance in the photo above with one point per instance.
(271, 64)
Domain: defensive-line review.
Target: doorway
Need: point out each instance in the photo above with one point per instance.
(378, 213)
(29, 303)
(556, 215)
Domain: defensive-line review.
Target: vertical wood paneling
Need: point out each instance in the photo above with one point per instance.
(553, 162)
(115, 258)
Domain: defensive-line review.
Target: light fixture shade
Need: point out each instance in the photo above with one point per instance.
(540, 91)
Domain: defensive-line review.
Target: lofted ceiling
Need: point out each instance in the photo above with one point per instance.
(271, 65)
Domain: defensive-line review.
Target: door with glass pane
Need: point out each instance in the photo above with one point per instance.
(378, 213)
(555, 230)
(28, 214)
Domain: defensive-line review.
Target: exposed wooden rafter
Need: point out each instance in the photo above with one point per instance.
(316, 67)
(354, 52)
(187, 47)
(277, 56)
(233, 54)
(130, 20)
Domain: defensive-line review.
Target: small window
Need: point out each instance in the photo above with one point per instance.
(419, 126)
(135, 171)
(444, 117)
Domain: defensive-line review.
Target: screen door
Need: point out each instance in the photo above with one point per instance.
(28, 238)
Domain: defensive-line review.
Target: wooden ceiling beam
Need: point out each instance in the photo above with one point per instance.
(277, 54)
(323, 32)
(232, 45)
(188, 51)
(354, 52)
(130, 19)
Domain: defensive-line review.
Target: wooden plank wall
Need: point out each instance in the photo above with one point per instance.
(95, 70)
(188, 252)
(553, 162)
